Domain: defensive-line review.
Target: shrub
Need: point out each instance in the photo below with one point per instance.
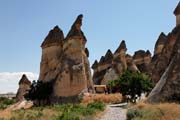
(40, 91)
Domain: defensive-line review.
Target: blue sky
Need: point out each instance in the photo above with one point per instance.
(24, 25)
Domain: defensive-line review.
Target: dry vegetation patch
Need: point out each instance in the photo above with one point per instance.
(162, 111)
(105, 98)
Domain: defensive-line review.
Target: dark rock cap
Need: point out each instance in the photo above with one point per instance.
(122, 46)
(177, 9)
(54, 37)
(102, 60)
(139, 54)
(24, 80)
(95, 64)
(76, 29)
(108, 56)
(148, 53)
(161, 40)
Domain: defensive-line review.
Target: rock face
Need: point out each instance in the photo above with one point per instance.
(24, 86)
(169, 84)
(156, 69)
(166, 66)
(111, 66)
(142, 60)
(65, 62)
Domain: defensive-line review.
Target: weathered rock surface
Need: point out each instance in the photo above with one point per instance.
(111, 66)
(142, 60)
(155, 67)
(65, 62)
(24, 86)
(167, 67)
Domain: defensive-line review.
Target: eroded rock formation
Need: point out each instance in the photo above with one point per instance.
(65, 62)
(24, 86)
(117, 63)
(169, 84)
(167, 67)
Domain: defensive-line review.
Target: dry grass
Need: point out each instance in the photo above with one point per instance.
(163, 111)
(105, 98)
(5, 114)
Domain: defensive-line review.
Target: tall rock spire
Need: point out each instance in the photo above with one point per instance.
(76, 29)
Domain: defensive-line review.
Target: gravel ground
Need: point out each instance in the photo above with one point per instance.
(114, 113)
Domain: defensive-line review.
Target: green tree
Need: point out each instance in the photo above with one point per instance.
(134, 83)
(40, 91)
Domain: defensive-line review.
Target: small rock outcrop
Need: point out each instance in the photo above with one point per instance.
(24, 86)
(65, 63)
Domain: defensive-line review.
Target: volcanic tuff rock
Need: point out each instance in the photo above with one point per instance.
(168, 87)
(158, 49)
(24, 86)
(142, 60)
(167, 67)
(65, 62)
(112, 66)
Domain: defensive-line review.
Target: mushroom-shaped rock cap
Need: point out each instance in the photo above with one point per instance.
(108, 56)
(122, 46)
(139, 54)
(76, 29)
(54, 37)
(24, 80)
(95, 64)
(177, 9)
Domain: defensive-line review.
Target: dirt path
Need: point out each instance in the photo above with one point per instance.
(114, 113)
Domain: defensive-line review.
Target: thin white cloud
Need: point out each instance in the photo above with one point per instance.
(9, 81)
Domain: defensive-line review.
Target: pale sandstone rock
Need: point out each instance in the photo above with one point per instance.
(65, 63)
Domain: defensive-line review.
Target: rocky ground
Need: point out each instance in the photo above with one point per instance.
(114, 113)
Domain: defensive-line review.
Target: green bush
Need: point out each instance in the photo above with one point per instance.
(134, 83)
